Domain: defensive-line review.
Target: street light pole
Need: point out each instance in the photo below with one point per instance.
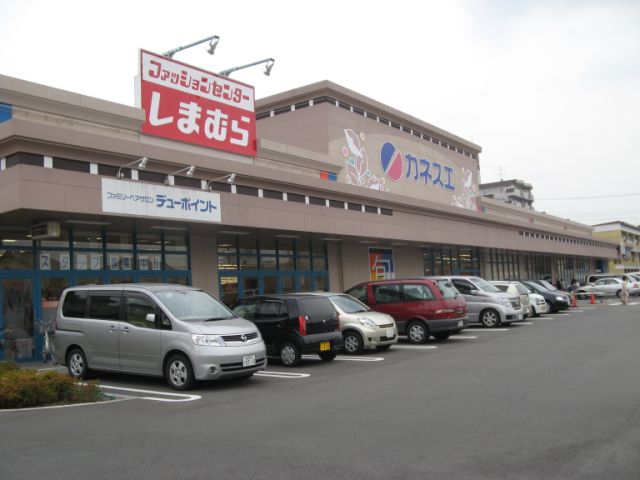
(267, 69)
(213, 42)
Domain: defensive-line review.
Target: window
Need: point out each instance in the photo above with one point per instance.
(137, 308)
(447, 289)
(387, 293)
(75, 304)
(360, 293)
(104, 305)
(416, 292)
(463, 286)
(271, 309)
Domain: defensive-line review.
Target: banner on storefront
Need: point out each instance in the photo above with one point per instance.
(185, 103)
(149, 200)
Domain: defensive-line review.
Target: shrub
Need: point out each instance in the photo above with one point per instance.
(23, 388)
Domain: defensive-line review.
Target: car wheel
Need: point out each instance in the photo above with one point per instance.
(77, 364)
(440, 336)
(353, 343)
(178, 372)
(327, 356)
(490, 318)
(619, 293)
(382, 348)
(417, 332)
(289, 354)
(551, 308)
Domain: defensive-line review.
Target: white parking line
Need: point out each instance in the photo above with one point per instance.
(352, 359)
(292, 375)
(414, 347)
(462, 337)
(523, 323)
(486, 330)
(182, 397)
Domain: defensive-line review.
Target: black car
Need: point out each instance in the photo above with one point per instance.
(295, 324)
(556, 299)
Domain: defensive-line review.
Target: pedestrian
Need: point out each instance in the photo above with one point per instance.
(575, 284)
(624, 294)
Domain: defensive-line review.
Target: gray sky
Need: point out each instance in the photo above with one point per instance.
(549, 89)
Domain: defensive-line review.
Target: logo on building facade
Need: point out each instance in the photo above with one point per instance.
(357, 163)
(381, 265)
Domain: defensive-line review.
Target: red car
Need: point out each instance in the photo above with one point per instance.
(420, 307)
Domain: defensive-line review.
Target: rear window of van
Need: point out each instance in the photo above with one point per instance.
(75, 304)
(447, 289)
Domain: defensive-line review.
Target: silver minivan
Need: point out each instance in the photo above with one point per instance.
(486, 303)
(181, 333)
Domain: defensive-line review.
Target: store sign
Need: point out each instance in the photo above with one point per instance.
(381, 264)
(148, 200)
(184, 103)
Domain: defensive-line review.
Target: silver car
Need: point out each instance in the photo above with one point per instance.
(486, 303)
(362, 328)
(181, 333)
(608, 287)
(517, 289)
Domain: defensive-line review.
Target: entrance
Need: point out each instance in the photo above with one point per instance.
(17, 332)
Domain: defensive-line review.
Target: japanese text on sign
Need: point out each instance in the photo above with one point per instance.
(190, 105)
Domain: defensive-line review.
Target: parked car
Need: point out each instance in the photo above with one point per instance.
(486, 303)
(421, 307)
(608, 287)
(294, 324)
(592, 277)
(362, 328)
(556, 299)
(181, 333)
(517, 289)
(537, 302)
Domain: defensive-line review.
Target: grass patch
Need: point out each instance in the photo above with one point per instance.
(26, 387)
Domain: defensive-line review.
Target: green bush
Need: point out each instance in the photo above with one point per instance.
(23, 388)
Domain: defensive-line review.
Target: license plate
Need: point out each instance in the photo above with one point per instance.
(324, 346)
(461, 323)
(390, 333)
(248, 360)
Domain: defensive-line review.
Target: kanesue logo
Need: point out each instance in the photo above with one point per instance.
(396, 164)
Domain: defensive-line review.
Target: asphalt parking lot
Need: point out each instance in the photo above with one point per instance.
(554, 397)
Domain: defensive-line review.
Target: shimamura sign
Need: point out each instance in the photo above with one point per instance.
(185, 103)
(148, 200)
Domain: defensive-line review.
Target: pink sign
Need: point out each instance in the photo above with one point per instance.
(185, 103)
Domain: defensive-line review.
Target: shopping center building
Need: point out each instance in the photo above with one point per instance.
(335, 188)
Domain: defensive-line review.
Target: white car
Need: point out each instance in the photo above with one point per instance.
(608, 287)
(538, 304)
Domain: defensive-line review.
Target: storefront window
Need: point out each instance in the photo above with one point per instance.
(119, 261)
(229, 290)
(119, 241)
(121, 279)
(61, 242)
(148, 241)
(16, 260)
(175, 243)
(51, 289)
(18, 319)
(89, 281)
(15, 239)
(176, 262)
(178, 280)
(87, 239)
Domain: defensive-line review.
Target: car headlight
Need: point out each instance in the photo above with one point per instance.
(208, 340)
(367, 321)
(559, 298)
(505, 301)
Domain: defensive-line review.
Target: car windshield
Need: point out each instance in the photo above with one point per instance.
(547, 285)
(484, 285)
(348, 304)
(537, 288)
(194, 306)
(447, 289)
(522, 290)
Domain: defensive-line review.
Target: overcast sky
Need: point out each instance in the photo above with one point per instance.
(549, 89)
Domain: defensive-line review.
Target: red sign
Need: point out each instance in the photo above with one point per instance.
(185, 103)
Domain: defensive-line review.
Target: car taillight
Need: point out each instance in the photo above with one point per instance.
(337, 322)
(302, 325)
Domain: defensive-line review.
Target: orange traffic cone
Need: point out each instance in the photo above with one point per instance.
(574, 303)
(593, 299)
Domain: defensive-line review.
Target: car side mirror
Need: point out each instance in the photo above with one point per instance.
(474, 292)
(150, 318)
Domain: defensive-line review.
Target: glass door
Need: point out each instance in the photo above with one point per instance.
(17, 319)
